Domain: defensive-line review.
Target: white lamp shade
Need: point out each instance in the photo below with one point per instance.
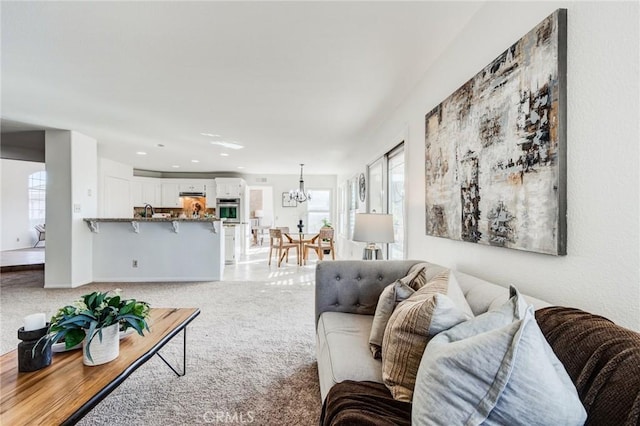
(373, 228)
(259, 213)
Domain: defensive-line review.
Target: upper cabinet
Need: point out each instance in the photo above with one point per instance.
(165, 192)
(145, 191)
(170, 195)
(230, 187)
(193, 187)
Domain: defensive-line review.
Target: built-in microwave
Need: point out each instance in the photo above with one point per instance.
(228, 209)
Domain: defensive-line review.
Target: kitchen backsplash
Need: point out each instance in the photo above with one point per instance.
(174, 212)
(191, 207)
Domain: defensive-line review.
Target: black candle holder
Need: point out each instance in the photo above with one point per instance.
(33, 353)
(300, 226)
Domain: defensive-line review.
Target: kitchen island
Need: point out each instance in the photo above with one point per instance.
(157, 249)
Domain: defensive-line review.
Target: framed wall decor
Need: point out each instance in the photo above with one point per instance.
(495, 150)
(287, 201)
(362, 187)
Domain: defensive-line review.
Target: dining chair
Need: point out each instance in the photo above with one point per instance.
(282, 247)
(321, 242)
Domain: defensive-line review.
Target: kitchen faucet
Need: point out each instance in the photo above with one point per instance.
(148, 206)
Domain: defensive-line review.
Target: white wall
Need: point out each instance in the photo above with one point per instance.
(16, 229)
(601, 272)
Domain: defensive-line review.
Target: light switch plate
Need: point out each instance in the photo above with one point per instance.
(77, 208)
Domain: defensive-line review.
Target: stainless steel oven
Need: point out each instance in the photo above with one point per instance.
(228, 209)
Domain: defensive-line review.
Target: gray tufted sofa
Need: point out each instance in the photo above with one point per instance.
(347, 292)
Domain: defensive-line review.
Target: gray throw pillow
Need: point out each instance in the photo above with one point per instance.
(389, 298)
(495, 369)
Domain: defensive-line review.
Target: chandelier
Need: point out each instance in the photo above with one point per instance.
(299, 195)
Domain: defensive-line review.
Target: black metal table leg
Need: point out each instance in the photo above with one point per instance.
(184, 356)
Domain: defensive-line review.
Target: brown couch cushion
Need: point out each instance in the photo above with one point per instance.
(602, 359)
(365, 404)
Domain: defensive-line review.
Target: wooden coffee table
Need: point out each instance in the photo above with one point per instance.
(65, 391)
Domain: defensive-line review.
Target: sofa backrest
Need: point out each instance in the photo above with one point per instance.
(354, 286)
(483, 295)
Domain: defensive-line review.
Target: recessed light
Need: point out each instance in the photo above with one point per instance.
(224, 154)
(230, 145)
(241, 167)
(195, 161)
(141, 153)
(210, 135)
(175, 166)
(160, 145)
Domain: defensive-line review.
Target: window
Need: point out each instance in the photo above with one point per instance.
(386, 195)
(318, 209)
(377, 192)
(353, 204)
(396, 201)
(37, 196)
(342, 210)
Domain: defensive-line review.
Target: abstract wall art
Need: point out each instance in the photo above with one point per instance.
(495, 150)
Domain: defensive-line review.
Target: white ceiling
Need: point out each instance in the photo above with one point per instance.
(294, 82)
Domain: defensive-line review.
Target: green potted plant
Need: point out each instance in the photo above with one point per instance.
(98, 314)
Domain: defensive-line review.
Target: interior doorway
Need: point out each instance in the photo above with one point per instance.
(261, 213)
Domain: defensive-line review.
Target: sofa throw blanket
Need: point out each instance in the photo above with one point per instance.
(364, 404)
(602, 359)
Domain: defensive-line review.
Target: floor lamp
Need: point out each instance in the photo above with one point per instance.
(373, 228)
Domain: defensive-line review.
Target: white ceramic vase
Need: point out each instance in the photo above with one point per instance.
(102, 351)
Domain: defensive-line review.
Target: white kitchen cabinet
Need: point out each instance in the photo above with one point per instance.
(145, 191)
(231, 244)
(210, 185)
(170, 195)
(193, 187)
(229, 187)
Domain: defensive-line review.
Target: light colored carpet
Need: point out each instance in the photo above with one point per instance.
(251, 356)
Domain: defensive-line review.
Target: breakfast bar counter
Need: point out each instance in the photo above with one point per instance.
(157, 249)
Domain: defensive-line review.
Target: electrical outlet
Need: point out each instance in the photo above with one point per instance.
(134, 264)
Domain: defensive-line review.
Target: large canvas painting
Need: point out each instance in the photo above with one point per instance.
(495, 149)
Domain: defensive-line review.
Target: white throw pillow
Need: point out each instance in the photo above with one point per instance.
(495, 369)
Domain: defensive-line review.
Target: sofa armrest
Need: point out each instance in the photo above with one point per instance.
(354, 286)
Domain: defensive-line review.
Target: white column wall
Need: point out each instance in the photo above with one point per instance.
(71, 164)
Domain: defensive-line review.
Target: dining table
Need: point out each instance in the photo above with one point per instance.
(301, 239)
